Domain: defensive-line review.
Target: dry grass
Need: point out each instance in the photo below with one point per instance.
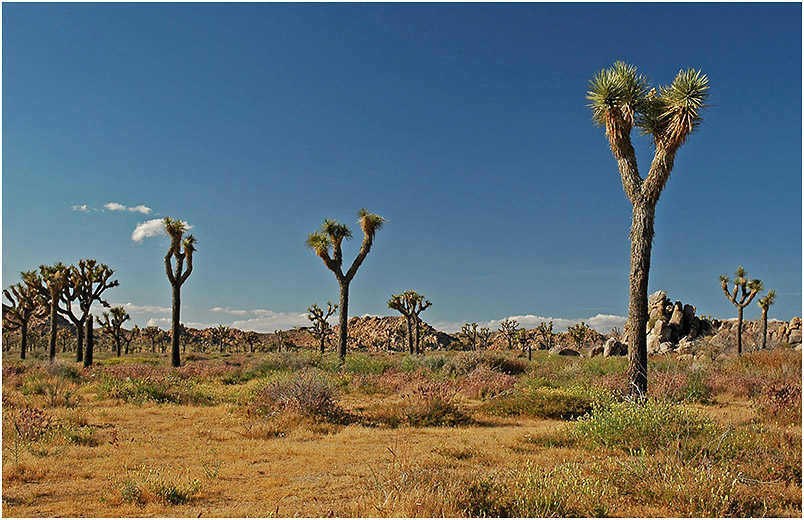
(297, 435)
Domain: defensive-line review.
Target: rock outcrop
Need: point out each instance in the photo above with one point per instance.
(670, 324)
(390, 333)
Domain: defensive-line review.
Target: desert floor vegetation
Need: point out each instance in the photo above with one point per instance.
(440, 434)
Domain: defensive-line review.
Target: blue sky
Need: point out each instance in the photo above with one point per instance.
(464, 125)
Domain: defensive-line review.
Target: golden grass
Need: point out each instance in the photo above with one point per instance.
(122, 459)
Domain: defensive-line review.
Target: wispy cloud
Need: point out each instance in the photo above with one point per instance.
(227, 310)
(114, 206)
(269, 321)
(82, 207)
(145, 210)
(143, 309)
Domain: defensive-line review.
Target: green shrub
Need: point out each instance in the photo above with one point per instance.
(362, 364)
(637, 426)
(310, 393)
(543, 403)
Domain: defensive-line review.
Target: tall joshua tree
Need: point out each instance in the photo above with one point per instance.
(87, 282)
(621, 99)
(332, 234)
(49, 283)
(177, 273)
(764, 304)
(25, 303)
(321, 329)
(744, 291)
(410, 304)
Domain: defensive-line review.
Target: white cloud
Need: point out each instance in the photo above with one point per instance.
(82, 207)
(227, 310)
(268, 321)
(149, 228)
(143, 309)
(602, 323)
(145, 210)
(114, 206)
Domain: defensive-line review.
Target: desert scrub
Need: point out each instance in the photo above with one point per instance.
(310, 393)
(428, 403)
(647, 425)
(483, 382)
(138, 389)
(681, 384)
(541, 402)
(143, 485)
(362, 364)
(466, 362)
(563, 491)
(779, 401)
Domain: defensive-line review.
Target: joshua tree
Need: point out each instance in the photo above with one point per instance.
(545, 331)
(485, 337)
(63, 338)
(470, 332)
(508, 328)
(49, 283)
(87, 282)
(410, 304)
(90, 350)
(578, 333)
(25, 303)
(282, 338)
(112, 323)
(251, 338)
(332, 234)
(764, 304)
(621, 99)
(222, 335)
(153, 334)
(745, 289)
(181, 251)
(525, 338)
(321, 329)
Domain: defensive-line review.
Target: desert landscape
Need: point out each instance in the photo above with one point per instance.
(458, 430)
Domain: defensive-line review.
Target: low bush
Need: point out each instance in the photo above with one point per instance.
(482, 383)
(310, 393)
(362, 364)
(779, 401)
(142, 486)
(466, 362)
(429, 403)
(542, 403)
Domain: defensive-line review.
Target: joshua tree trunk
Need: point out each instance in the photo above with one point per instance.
(24, 344)
(418, 335)
(54, 305)
(411, 343)
(343, 317)
(635, 333)
(79, 350)
(764, 328)
(175, 329)
(90, 343)
(739, 330)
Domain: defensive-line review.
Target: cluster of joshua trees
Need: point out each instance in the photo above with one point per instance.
(620, 100)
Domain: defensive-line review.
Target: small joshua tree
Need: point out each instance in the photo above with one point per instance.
(410, 304)
(332, 234)
(25, 303)
(180, 251)
(485, 337)
(251, 338)
(744, 291)
(764, 304)
(578, 333)
(525, 339)
(545, 332)
(321, 329)
(112, 324)
(509, 328)
(153, 334)
(470, 333)
(222, 335)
